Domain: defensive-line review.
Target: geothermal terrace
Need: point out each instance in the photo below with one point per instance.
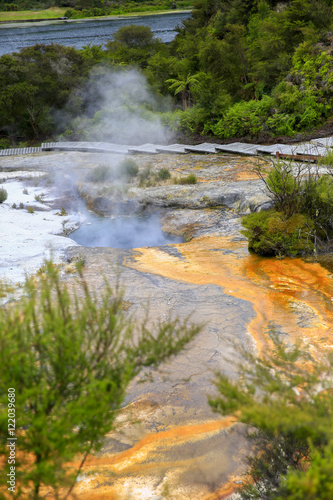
(168, 438)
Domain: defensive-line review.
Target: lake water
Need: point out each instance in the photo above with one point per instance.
(80, 33)
(122, 232)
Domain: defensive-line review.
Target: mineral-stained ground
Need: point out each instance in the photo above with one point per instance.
(168, 443)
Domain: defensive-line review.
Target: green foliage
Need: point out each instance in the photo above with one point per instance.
(62, 212)
(39, 198)
(183, 86)
(128, 168)
(101, 173)
(284, 183)
(272, 233)
(302, 218)
(286, 399)
(252, 69)
(4, 143)
(34, 84)
(193, 119)
(134, 36)
(133, 44)
(244, 118)
(70, 357)
(327, 159)
(79, 9)
(188, 179)
(164, 174)
(3, 195)
(317, 201)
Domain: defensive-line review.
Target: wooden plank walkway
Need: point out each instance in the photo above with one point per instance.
(174, 149)
(19, 151)
(205, 147)
(88, 147)
(241, 148)
(307, 151)
(281, 148)
(310, 150)
(150, 149)
(326, 142)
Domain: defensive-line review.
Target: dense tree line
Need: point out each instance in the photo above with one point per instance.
(254, 69)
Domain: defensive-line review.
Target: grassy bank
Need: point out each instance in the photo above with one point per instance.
(55, 12)
(33, 14)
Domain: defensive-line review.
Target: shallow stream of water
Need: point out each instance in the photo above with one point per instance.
(122, 232)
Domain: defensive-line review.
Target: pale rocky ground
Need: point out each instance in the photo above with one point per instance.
(169, 442)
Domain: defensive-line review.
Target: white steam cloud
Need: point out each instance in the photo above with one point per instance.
(117, 106)
(121, 108)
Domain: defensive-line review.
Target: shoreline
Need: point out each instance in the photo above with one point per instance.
(12, 23)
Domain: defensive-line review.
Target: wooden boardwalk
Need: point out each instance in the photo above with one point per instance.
(306, 151)
(19, 151)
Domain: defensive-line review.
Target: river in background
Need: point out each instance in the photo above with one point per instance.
(83, 32)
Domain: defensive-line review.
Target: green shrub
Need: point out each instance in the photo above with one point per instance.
(146, 177)
(244, 118)
(285, 186)
(272, 233)
(164, 174)
(317, 202)
(189, 179)
(193, 118)
(30, 210)
(281, 124)
(100, 174)
(299, 189)
(39, 198)
(291, 432)
(3, 195)
(128, 168)
(327, 159)
(4, 143)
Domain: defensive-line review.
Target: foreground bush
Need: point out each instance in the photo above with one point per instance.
(286, 399)
(128, 168)
(101, 173)
(301, 221)
(188, 179)
(68, 359)
(164, 174)
(272, 233)
(3, 195)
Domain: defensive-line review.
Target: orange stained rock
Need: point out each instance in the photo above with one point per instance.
(281, 291)
(129, 459)
(145, 458)
(246, 176)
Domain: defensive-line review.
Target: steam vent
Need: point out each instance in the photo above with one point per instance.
(167, 442)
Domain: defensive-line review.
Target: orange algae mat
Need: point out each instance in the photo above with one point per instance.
(290, 293)
(133, 467)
